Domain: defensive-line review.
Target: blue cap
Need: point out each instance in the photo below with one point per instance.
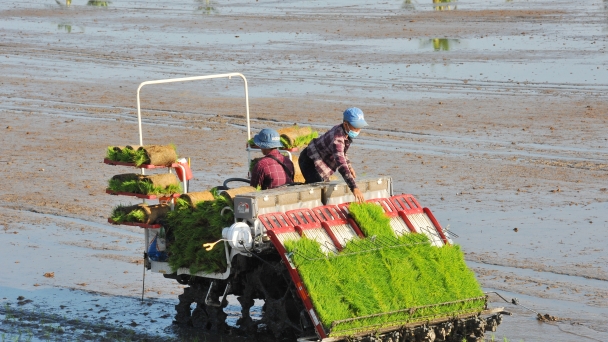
(268, 138)
(354, 116)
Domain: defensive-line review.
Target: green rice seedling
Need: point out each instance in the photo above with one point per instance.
(145, 188)
(139, 157)
(173, 189)
(132, 186)
(137, 215)
(114, 184)
(383, 274)
(300, 141)
(118, 214)
(192, 227)
(111, 154)
(284, 142)
(181, 203)
(253, 162)
(126, 186)
(304, 139)
(371, 219)
(129, 155)
(174, 147)
(126, 155)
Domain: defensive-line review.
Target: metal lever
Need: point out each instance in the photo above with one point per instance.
(211, 302)
(209, 246)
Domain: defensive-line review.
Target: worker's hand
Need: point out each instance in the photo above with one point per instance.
(358, 195)
(352, 172)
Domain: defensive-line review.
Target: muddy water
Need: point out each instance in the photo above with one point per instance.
(492, 113)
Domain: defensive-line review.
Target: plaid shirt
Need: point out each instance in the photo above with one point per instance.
(269, 174)
(329, 154)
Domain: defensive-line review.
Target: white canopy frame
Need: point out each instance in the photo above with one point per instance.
(188, 79)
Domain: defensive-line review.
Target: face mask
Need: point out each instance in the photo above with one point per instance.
(352, 134)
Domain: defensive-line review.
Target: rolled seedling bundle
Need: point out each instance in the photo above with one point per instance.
(143, 184)
(231, 193)
(290, 134)
(125, 177)
(297, 136)
(121, 212)
(194, 198)
(127, 182)
(158, 155)
(154, 212)
(128, 147)
(125, 154)
(162, 180)
(141, 213)
(162, 155)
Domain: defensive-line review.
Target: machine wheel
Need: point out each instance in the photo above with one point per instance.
(281, 313)
(203, 316)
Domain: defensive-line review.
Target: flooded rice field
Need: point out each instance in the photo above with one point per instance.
(492, 113)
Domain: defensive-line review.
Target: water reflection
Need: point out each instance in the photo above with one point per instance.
(438, 5)
(408, 5)
(69, 28)
(606, 9)
(439, 44)
(206, 6)
(68, 3)
(98, 3)
(64, 27)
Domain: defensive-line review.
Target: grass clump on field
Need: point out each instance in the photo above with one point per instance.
(192, 226)
(384, 273)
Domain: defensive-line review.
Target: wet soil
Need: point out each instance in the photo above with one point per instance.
(493, 114)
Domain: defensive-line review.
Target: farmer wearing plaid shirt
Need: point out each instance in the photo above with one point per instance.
(273, 170)
(327, 153)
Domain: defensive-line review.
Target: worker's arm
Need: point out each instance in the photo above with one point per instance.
(344, 168)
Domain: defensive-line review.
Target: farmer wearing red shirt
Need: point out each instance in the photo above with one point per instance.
(327, 153)
(274, 169)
